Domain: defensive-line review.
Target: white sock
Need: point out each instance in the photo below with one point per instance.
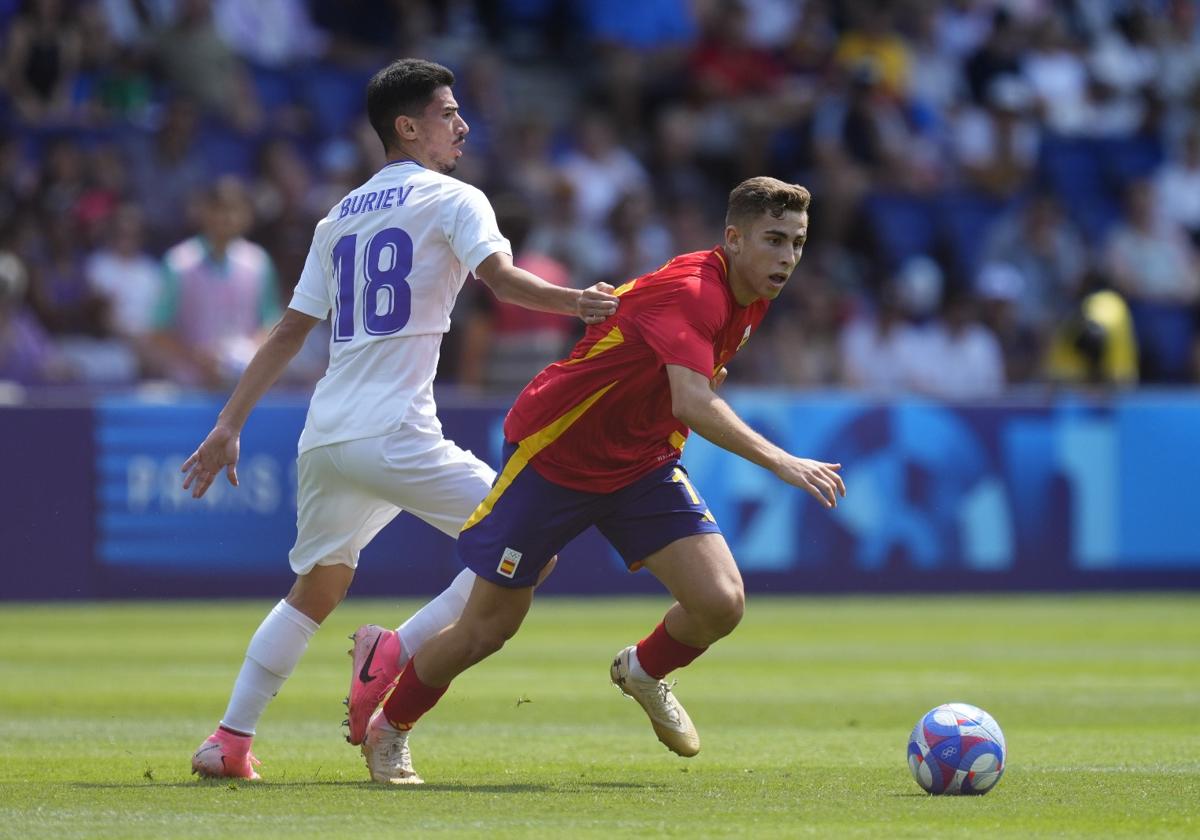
(636, 670)
(439, 613)
(272, 655)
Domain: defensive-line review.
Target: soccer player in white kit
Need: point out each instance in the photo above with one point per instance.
(386, 265)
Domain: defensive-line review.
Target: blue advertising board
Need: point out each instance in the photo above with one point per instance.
(1070, 493)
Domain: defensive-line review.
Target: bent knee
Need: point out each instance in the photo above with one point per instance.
(486, 641)
(723, 612)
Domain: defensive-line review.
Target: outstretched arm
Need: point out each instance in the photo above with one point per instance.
(220, 449)
(695, 403)
(516, 285)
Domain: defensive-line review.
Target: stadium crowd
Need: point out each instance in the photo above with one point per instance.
(1006, 192)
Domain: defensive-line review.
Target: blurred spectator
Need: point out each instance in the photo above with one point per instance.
(1000, 289)
(41, 58)
(105, 187)
(860, 138)
(1154, 267)
(359, 32)
(505, 345)
(123, 87)
(771, 24)
(962, 26)
(1124, 68)
(1178, 82)
(638, 237)
(126, 277)
(200, 66)
(886, 351)
(27, 355)
(561, 234)
(59, 290)
(998, 55)
(1095, 344)
(599, 169)
(1056, 70)
(1177, 186)
(937, 82)
(637, 52)
(18, 177)
(1048, 254)
(529, 170)
(286, 207)
(73, 312)
(271, 33)
(219, 294)
(997, 145)
(739, 89)
(873, 41)
(168, 170)
(963, 358)
(61, 183)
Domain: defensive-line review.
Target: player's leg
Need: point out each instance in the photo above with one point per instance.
(663, 524)
(508, 543)
(419, 471)
(442, 484)
(334, 522)
(492, 616)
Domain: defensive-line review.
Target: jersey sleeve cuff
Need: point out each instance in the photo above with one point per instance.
(690, 364)
(484, 250)
(308, 305)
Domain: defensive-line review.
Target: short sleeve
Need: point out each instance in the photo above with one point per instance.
(312, 294)
(472, 231)
(682, 328)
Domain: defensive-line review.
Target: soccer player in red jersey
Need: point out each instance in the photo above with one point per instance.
(595, 439)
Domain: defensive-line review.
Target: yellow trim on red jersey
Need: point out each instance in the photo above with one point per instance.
(614, 337)
(677, 440)
(721, 257)
(528, 448)
(625, 287)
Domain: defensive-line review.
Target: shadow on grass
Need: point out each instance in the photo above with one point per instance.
(343, 784)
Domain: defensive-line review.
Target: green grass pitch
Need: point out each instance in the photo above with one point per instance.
(804, 715)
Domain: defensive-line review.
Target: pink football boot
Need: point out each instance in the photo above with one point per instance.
(225, 755)
(374, 669)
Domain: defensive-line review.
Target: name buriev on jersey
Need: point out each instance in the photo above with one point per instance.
(374, 200)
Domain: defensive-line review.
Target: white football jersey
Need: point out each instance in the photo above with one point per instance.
(386, 265)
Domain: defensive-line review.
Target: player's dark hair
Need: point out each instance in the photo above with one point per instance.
(755, 196)
(405, 87)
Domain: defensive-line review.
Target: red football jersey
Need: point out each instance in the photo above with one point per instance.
(601, 418)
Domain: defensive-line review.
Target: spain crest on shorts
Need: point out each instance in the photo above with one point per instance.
(508, 562)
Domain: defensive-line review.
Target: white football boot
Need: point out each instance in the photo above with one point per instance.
(386, 750)
(671, 723)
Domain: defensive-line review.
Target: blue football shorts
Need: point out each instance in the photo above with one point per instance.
(517, 529)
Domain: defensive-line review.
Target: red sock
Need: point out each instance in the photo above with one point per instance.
(410, 699)
(659, 654)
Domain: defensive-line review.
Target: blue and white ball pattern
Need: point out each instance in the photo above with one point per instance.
(956, 749)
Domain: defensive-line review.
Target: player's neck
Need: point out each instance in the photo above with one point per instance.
(742, 293)
(404, 156)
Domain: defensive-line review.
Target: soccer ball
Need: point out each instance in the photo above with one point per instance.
(956, 748)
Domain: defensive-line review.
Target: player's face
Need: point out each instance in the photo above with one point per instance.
(440, 132)
(764, 253)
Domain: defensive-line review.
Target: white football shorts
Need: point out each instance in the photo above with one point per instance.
(348, 491)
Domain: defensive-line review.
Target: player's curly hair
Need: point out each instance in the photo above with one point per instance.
(405, 86)
(755, 196)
